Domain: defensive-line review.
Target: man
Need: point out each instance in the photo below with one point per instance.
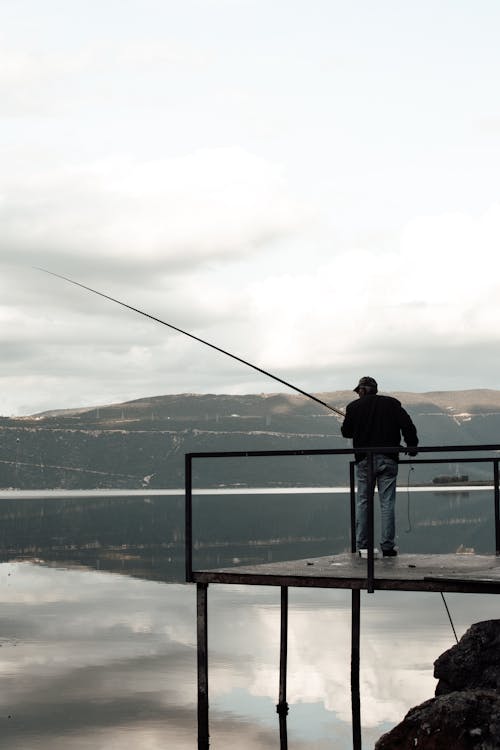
(377, 421)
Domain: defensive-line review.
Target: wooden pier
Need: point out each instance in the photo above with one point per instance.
(460, 572)
(465, 573)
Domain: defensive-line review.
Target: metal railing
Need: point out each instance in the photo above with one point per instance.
(448, 449)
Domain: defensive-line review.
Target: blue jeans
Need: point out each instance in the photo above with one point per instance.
(385, 472)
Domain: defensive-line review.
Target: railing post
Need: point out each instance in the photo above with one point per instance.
(353, 505)
(370, 586)
(497, 506)
(188, 520)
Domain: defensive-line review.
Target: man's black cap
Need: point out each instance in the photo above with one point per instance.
(366, 382)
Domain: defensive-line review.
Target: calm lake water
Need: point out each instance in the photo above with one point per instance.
(97, 631)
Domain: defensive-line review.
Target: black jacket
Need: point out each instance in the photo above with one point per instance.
(378, 421)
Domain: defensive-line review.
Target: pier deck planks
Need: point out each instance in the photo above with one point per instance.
(467, 573)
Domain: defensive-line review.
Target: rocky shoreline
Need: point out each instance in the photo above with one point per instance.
(465, 712)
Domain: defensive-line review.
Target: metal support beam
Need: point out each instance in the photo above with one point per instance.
(282, 707)
(497, 506)
(202, 641)
(355, 660)
(353, 505)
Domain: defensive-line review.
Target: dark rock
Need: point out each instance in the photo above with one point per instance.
(465, 720)
(465, 714)
(473, 663)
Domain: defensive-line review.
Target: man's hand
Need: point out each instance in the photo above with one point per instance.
(411, 451)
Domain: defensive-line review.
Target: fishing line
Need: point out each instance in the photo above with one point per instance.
(411, 468)
(449, 616)
(192, 336)
(407, 531)
(55, 467)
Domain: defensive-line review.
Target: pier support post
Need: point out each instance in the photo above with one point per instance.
(282, 707)
(355, 697)
(202, 642)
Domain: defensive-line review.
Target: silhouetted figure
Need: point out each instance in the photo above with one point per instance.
(377, 421)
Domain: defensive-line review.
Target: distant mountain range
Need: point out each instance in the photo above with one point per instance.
(141, 443)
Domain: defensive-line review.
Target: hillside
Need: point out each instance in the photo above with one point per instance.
(141, 443)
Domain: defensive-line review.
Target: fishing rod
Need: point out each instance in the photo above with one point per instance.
(192, 336)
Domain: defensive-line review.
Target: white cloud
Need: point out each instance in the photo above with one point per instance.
(24, 66)
(210, 204)
(435, 288)
(180, 166)
(21, 67)
(390, 313)
(154, 234)
(172, 52)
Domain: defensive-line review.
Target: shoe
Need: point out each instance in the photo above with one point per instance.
(364, 553)
(390, 552)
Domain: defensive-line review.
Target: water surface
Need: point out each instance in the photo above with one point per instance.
(97, 631)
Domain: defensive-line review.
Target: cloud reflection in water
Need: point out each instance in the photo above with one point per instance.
(97, 660)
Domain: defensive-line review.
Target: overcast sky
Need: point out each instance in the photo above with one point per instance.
(311, 184)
